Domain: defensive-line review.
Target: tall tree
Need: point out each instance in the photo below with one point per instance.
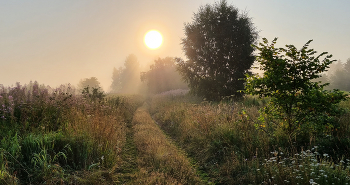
(334, 67)
(116, 85)
(89, 82)
(163, 76)
(218, 47)
(347, 65)
(339, 79)
(127, 79)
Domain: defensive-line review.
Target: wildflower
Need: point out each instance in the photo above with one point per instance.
(325, 155)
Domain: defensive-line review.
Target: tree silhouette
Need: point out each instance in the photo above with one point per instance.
(89, 82)
(127, 79)
(163, 76)
(339, 79)
(347, 65)
(116, 85)
(218, 47)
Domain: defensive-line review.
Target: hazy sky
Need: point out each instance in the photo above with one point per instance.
(63, 41)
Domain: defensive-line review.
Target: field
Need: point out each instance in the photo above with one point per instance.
(55, 136)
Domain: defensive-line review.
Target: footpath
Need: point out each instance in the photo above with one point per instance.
(149, 157)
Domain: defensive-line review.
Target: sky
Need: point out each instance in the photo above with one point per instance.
(61, 42)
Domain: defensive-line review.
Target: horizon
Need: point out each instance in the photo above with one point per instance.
(63, 42)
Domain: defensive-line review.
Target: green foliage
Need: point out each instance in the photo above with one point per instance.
(163, 76)
(298, 104)
(47, 166)
(52, 136)
(224, 143)
(218, 48)
(95, 94)
(5, 174)
(34, 107)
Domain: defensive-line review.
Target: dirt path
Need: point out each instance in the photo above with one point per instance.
(149, 157)
(126, 173)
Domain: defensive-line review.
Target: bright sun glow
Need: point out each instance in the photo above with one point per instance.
(153, 39)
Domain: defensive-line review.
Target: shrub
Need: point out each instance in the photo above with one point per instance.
(298, 105)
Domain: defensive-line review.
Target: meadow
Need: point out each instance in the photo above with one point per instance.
(224, 140)
(58, 136)
(55, 136)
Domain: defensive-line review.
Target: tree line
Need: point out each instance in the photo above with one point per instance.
(337, 76)
(219, 49)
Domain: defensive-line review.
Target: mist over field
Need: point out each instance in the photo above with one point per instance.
(64, 42)
(174, 92)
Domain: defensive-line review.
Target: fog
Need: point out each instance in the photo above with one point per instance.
(61, 42)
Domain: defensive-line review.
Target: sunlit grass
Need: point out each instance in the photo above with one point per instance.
(55, 136)
(160, 161)
(225, 140)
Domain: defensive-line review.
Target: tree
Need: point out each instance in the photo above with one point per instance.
(334, 67)
(347, 65)
(340, 78)
(93, 93)
(88, 82)
(116, 85)
(218, 47)
(163, 76)
(127, 79)
(298, 104)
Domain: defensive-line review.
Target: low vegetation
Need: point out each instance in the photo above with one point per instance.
(51, 136)
(160, 162)
(224, 141)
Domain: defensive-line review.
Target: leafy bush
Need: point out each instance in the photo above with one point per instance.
(298, 105)
(94, 95)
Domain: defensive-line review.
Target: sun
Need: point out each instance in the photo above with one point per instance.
(153, 39)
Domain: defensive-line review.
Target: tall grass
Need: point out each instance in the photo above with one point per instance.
(228, 142)
(48, 133)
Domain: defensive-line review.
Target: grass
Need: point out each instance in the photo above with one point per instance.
(54, 136)
(224, 140)
(160, 162)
